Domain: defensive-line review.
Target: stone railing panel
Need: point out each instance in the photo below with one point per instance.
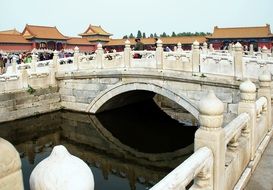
(177, 61)
(261, 122)
(222, 64)
(143, 59)
(198, 166)
(113, 60)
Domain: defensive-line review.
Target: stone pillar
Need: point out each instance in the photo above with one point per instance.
(76, 58)
(230, 48)
(211, 135)
(251, 49)
(61, 170)
(179, 47)
(264, 52)
(53, 68)
(33, 63)
(195, 57)
(205, 48)
(159, 55)
(211, 47)
(14, 64)
(24, 76)
(238, 61)
(127, 54)
(99, 56)
(265, 90)
(248, 104)
(10, 167)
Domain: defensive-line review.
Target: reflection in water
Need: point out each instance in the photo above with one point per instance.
(129, 148)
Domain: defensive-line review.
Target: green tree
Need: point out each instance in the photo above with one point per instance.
(163, 34)
(125, 37)
(155, 35)
(139, 34)
(173, 34)
(151, 35)
(143, 35)
(131, 35)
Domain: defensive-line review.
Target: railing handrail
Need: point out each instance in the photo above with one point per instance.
(235, 126)
(182, 175)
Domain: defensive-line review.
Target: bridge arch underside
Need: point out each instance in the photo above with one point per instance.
(125, 94)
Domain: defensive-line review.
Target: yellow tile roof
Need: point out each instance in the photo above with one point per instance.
(12, 31)
(165, 40)
(78, 41)
(42, 32)
(13, 38)
(241, 32)
(94, 30)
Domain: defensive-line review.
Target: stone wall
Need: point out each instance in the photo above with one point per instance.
(27, 102)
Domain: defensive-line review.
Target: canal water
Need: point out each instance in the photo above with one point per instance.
(129, 148)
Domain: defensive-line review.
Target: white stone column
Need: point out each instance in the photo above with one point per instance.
(53, 68)
(13, 65)
(264, 52)
(195, 57)
(205, 48)
(247, 104)
(159, 55)
(127, 54)
(10, 167)
(238, 61)
(265, 91)
(251, 49)
(230, 48)
(179, 47)
(33, 63)
(24, 76)
(61, 170)
(99, 56)
(76, 58)
(211, 47)
(211, 135)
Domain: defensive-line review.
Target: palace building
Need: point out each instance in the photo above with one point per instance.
(48, 37)
(259, 36)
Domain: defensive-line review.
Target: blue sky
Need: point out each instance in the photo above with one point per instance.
(121, 17)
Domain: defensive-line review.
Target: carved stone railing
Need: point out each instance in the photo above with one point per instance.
(198, 167)
(225, 63)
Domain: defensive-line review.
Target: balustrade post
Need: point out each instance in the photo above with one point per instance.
(13, 64)
(265, 90)
(33, 63)
(127, 54)
(10, 170)
(264, 52)
(211, 47)
(211, 135)
(230, 48)
(53, 68)
(238, 61)
(195, 57)
(248, 104)
(99, 56)
(179, 47)
(24, 76)
(251, 49)
(159, 54)
(56, 172)
(76, 58)
(205, 48)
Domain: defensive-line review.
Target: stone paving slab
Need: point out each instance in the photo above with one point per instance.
(262, 179)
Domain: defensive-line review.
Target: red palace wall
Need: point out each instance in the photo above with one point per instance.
(82, 48)
(266, 44)
(16, 47)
